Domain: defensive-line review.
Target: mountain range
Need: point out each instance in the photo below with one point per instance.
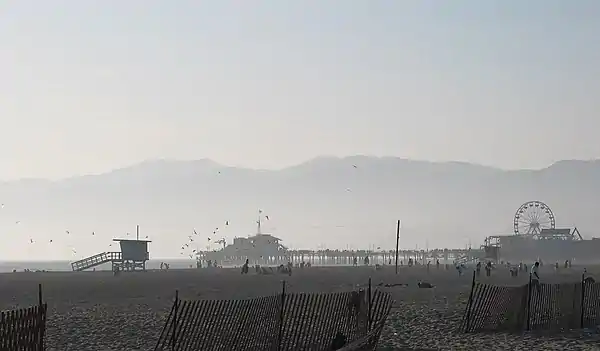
(329, 202)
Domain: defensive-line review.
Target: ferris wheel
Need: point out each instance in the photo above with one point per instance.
(532, 217)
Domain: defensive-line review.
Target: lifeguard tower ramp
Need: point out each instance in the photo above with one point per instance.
(133, 256)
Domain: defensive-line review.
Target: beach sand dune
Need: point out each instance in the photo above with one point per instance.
(98, 311)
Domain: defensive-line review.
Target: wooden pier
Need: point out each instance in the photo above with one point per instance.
(344, 257)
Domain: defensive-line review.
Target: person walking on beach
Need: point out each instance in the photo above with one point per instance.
(535, 277)
(459, 269)
(245, 267)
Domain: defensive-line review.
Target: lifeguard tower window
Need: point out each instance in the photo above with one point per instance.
(134, 250)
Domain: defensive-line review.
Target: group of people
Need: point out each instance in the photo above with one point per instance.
(514, 270)
(281, 269)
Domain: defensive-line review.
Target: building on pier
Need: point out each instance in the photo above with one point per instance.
(261, 248)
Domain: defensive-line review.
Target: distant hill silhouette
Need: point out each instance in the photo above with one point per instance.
(341, 202)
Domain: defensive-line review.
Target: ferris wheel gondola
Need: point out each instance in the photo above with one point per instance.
(532, 217)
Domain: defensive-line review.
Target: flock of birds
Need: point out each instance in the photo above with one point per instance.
(189, 248)
(67, 232)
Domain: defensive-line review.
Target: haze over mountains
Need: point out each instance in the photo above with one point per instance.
(326, 202)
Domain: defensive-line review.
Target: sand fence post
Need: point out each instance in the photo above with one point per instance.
(41, 319)
(469, 306)
(529, 304)
(175, 308)
(581, 322)
(280, 336)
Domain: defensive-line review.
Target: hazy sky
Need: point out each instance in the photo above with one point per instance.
(86, 86)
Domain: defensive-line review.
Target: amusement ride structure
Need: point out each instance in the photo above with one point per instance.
(535, 236)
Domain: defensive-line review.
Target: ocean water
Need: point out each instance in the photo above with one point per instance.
(65, 266)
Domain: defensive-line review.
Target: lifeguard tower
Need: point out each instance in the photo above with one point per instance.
(133, 256)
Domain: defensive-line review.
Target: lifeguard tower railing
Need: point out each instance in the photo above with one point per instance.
(96, 260)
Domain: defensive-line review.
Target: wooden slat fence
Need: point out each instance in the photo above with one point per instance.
(549, 307)
(555, 306)
(282, 322)
(24, 328)
(496, 308)
(222, 325)
(591, 305)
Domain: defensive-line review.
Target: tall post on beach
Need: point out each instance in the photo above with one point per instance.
(369, 296)
(137, 232)
(397, 243)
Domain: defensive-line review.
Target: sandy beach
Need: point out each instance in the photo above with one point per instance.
(98, 311)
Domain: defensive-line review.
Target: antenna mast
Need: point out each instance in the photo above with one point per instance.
(258, 222)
